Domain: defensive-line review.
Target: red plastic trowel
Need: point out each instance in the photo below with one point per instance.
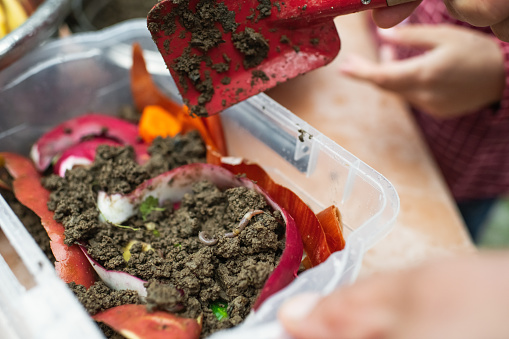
(220, 52)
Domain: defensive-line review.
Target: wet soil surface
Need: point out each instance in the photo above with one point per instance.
(162, 244)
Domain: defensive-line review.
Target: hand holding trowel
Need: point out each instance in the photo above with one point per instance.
(221, 52)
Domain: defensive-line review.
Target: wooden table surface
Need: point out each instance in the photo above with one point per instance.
(378, 128)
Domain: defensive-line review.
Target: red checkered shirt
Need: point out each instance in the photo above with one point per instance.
(473, 150)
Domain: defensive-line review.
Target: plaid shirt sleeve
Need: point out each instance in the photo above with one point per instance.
(472, 150)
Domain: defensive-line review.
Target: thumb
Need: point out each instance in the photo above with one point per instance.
(295, 315)
(479, 13)
(418, 36)
(398, 75)
(386, 17)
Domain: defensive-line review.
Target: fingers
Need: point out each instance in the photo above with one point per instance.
(482, 13)
(366, 310)
(394, 75)
(419, 36)
(404, 75)
(391, 16)
(501, 30)
(295, 314)
(479, 12)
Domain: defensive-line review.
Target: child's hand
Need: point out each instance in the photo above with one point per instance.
(494, 13)
(386, 17)
(461, 72)
(464, 298)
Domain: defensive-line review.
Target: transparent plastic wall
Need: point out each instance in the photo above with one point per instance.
(90, 73)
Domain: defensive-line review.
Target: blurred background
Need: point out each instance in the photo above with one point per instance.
(496, 233)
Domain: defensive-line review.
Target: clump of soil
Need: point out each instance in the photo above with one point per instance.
(100, 297)
(253, 45)
(185, 274)
(264, 8)
(259, 75)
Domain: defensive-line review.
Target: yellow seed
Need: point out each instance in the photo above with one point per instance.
(127, 250)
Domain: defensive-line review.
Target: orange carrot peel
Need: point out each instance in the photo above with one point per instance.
(156, 121)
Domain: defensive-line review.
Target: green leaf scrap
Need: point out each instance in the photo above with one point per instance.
(148, 205)
(219, 308)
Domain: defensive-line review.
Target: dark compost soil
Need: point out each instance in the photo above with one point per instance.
(185, 275)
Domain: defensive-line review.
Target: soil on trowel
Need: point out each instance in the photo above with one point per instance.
(193, 261)
(208, 24)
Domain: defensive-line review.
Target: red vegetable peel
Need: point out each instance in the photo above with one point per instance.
(311, 231)
(71, 264)
(80, 154)
(133, 321)
(280, 278)
(214, 126)
(172, 186)
(73, 131)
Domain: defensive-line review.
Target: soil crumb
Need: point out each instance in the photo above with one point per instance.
(129, 113)
(164, 297)
(253, 45)
(259, 75)
(264, 9)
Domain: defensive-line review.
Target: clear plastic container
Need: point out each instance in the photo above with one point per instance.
(90, 73)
